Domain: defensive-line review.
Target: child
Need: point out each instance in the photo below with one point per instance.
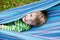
(35, 18)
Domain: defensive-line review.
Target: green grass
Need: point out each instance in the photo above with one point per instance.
(7, 4)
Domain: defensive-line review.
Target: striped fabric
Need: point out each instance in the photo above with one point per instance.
(49, 31)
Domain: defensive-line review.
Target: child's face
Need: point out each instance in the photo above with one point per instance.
(31, 18)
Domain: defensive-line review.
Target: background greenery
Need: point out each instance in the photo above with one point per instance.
(6, 4)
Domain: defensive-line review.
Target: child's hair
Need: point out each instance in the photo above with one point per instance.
(38, 19)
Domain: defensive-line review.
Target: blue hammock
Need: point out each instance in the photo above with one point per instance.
(48, 31)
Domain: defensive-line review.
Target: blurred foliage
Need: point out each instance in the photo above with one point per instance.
(6, 4)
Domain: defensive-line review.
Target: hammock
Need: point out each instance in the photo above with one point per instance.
(48, 31)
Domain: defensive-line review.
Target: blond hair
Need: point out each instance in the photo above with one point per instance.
(40, 20)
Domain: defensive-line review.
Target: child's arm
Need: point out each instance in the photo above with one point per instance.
(18, 26)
